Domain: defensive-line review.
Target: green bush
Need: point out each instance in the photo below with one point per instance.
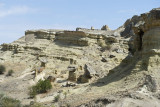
(2, 69)
(41, 87)
(9, 102)
(10, 72)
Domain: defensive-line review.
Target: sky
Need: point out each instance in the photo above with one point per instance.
(17, 16)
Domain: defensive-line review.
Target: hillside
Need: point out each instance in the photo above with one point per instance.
(87, 67)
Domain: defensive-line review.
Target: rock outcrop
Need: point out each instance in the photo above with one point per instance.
(140, 66)
(105, 27)
(88, 67)
(147, 38)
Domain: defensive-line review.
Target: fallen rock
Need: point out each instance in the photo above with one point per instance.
(51, 78)
(69, 84)
(103, 59)
(89, 71)
(112, 56)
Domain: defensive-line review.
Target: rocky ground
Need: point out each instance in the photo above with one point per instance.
(88, 67)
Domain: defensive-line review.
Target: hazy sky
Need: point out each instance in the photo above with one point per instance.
(16, 16)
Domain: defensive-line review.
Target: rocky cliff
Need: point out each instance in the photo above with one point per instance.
(92, 67)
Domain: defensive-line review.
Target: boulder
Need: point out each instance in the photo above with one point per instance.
(112, 56)
(51, 78)
(69, 84)
(103, 59)
(43, 61)
(89, 71)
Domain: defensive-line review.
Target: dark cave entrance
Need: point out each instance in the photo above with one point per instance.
(141, 33)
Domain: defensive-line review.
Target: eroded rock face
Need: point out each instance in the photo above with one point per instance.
(32, 35)
(147, 39)
(146, 45)
(72, 38)
(51, 52)
(128, 31)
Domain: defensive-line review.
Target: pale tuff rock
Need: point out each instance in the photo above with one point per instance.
(147, 38)
(92, 28)
(51, 78)
(72, 38)
(89, 71)
(146, 47)
(72, 73)
(105, 27)
(32, 35)
(128, 31)
(88, 64)
(140, 66)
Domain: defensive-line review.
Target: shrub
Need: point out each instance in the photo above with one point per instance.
(9, 102)
(33, 91)
(41, 87)
(37, 105)
(105, 46)
(2, 69)
(56, 98)
(10, 72)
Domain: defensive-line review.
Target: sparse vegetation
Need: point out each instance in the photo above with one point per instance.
(36, 105)
(2, 69)
(104, 46)
(56, 98)
(10, 72)
(65, 94)
(68, 105)
(41, 87)
(9, 102)
(101, 43)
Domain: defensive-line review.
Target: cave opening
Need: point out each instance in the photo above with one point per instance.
(141, 33)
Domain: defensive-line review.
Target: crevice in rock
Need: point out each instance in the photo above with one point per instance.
(141, 33)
